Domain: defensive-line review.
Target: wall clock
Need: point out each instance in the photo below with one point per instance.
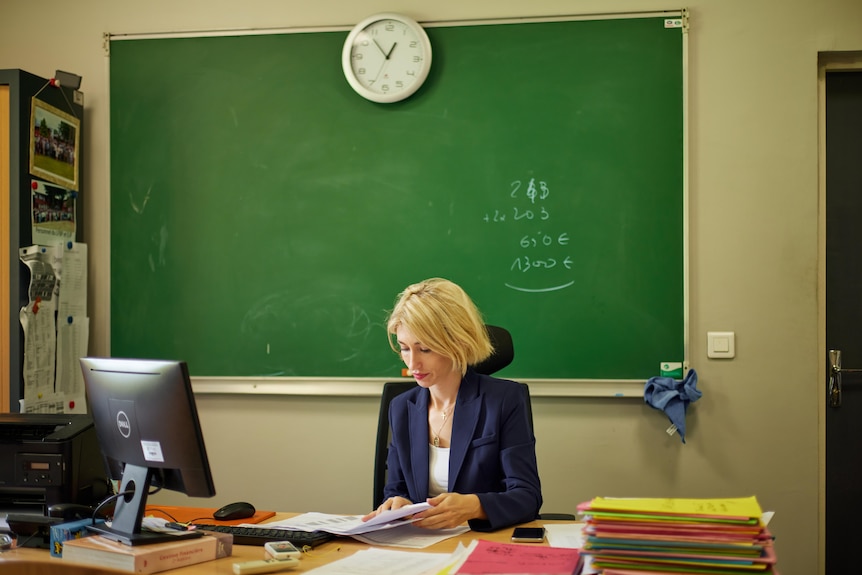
(386, 57)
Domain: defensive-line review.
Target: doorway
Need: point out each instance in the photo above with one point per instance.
(840, 300)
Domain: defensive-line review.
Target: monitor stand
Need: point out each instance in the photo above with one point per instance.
(129, 512)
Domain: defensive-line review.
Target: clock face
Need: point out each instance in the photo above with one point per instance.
(386, 57)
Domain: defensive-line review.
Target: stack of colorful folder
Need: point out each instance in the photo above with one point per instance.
(677, 536)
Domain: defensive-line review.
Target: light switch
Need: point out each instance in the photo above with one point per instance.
(720, 344)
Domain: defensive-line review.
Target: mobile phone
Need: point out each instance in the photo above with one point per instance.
(528, 534)
(282, 550)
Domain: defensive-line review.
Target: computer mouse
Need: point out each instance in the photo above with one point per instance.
(236, 510)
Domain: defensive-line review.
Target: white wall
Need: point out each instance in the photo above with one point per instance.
(753, 210)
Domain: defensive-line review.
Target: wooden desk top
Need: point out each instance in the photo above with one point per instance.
(29, 561)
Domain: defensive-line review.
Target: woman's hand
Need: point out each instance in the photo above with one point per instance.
(450, 510)
(391, 503)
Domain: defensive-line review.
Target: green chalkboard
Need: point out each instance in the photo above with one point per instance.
(264, 216)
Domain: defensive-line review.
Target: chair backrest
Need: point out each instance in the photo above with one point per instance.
(504, 353)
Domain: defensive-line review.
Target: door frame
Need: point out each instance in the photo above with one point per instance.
(826, 62)
(5, 247)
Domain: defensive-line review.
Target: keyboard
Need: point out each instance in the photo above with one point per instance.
(243, 535)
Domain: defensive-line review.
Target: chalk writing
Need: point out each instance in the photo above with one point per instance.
(534, 190)
(517, 214)
(536, 252)
(524, 263)
(545, 240)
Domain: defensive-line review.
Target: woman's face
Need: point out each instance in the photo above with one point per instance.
(427, 367)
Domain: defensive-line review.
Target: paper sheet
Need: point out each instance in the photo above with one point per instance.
(350, 524)
(386, 561)
(409, 536)
(73, 280)
(56, 328)
(568, 535)
(37, 321)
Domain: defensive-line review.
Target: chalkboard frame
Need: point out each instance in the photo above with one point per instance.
(299, 384)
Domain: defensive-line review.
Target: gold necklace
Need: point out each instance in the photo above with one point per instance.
(436, 439)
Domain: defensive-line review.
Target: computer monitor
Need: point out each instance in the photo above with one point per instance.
(147, 425)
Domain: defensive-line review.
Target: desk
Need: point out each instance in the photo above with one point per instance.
(28, 561)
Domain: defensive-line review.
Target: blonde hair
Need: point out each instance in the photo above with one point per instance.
(443, 317)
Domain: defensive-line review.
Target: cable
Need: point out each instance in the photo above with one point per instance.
(108, 500)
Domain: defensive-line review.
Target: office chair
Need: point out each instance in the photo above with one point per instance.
(504, 353)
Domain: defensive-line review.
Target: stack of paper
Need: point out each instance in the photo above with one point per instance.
(677, 536)
(393, 528)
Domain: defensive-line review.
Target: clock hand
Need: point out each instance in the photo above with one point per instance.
(380, 71)
(385, 59)
(385, 55)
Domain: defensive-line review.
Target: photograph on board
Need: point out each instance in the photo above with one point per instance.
(54, 144)
(53, 213)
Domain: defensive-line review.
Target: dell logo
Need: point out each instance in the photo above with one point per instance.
(123, 424)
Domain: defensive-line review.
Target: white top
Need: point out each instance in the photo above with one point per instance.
(438, 470)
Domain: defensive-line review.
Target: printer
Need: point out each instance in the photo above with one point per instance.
(49, 459)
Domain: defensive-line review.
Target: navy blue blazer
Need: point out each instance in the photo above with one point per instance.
(492, 452)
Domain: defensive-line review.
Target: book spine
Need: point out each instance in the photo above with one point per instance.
(200, 550)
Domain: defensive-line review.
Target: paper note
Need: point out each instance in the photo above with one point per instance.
(72, 277)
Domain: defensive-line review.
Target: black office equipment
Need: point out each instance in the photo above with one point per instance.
(74, 511)
(32, 530)
(147, 424)
(235, 510)
(261, 535)
(23, 86)
(267, 224)
(49, 459)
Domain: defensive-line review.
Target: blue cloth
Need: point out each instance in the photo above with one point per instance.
(673, 396)
(492, 453)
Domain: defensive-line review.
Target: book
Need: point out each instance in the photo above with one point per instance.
(153, 558)
(62, 532)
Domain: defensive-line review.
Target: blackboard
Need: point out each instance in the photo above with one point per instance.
(264, 217)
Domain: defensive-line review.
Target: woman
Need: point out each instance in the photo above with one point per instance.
(460, 440)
